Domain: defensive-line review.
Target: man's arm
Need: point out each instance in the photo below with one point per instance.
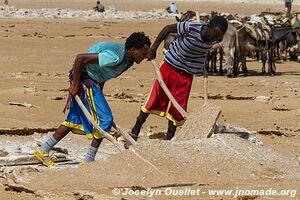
(172, 28)
(80, 61)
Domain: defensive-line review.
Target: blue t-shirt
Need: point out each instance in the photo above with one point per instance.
(173, 8)
(112, 61)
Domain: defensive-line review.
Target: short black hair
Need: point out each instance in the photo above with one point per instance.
(137, 40)
(219, 21)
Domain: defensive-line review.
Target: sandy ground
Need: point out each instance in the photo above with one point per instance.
(35, 58)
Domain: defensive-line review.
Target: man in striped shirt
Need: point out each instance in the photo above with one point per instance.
(185, 58)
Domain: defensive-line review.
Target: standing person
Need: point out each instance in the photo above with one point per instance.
(173, 8)
(186, 57)
(6, 2)
(288, 5)
(103, 61)
(99, 7)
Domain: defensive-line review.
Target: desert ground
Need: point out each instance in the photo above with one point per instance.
(258, 150)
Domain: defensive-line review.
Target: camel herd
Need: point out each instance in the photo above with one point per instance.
(266, 37)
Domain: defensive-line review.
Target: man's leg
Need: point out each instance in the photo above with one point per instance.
(171, 130)
(50, 142)
(180, 89)
(140, 120)
(157, 103)
(102, 115)
(91, 154)
(42, 153)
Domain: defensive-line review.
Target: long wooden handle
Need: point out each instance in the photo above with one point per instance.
(167, 91)
(205, 88)
(122, 132)
(205, 81)
(89, 117)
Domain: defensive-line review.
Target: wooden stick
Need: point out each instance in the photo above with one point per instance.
(205, 82)
(213, 128)
(197, 16)
(167, 91)
(205, 87)
(89, 117)
(122, 132)
(28, 105)
(108, 136)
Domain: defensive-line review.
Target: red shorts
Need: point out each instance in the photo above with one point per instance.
(179, 83)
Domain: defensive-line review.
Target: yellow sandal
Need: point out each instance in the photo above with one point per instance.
(44, 158)
(83, 163)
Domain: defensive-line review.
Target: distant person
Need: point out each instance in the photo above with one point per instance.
(99, 7)
(288, 5)
(172, 8)
(6, 2)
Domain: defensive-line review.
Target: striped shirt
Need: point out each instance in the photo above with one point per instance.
(188, 51)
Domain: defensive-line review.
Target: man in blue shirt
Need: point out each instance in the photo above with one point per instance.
(103, 61)
(172, 8)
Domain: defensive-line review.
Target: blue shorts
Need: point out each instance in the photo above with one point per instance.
(95, 102)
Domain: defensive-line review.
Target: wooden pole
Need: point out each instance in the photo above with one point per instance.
(108, 136)
(205, 81)
(123, 133)
(89, 117)
(167, 91)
